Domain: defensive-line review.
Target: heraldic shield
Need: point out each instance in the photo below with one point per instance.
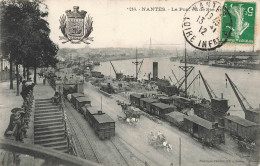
(76, 28)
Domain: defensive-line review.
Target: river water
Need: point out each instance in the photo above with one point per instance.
(246, 80)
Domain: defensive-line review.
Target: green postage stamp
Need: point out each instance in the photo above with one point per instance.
(243, 22)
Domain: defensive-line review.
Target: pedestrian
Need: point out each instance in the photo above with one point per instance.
(24, 89)
(11, 122)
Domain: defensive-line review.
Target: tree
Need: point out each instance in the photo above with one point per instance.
(29, 44)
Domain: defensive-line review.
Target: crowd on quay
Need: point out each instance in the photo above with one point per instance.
(20, 117)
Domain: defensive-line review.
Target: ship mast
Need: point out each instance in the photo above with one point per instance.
(136, 63)
(186, 69)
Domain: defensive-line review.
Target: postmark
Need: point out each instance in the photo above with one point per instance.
(202, 25)
(76, 27)
(243, 26)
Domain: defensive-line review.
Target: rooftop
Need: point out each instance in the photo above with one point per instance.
(82, 99)
(241, 121)
(199, 121)
(77, 95)
(162, 105)
(93, 110)
(104, 118)
(137, 95)
(176, 115)
(149, 100)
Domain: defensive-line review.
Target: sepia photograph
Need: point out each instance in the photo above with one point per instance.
(129, 83)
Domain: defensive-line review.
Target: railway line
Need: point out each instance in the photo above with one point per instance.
(125, 156)
(87, 151)
(120, 152)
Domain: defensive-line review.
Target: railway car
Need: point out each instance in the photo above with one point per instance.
(181, 102)
(103, 125)
(81, 101)
(176, 118)
(205, 131)
(242, 128)
(135, 99)
(145, 103)
(160, 109)
(88, 113)
(166, 100)
(68, 89)
(74, 96)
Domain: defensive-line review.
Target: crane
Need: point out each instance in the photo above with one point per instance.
(237, 93)
(175, 77)
(184, 80)
(208, 88)
(118, 75)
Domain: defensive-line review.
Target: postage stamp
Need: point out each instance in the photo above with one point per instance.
(243, 25)
(202, 25)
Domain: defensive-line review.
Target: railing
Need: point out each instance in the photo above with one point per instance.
(51, 157)
(70, 140)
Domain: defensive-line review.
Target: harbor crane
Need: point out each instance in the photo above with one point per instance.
(251, 114)
(118, 75)
(208, 88)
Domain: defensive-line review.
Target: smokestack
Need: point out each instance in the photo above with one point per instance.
(155, 71)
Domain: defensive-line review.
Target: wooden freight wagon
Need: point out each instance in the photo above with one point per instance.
(103, 125)
(160, 109)
(135, 99)
(68, 89)
(166, 100)
(242, 128)
(74, 96)
(145, 103)
(181, 102)
(175, 118)
(81, 101)
(204, 130)
(90, 111)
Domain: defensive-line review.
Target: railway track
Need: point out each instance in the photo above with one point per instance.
(119, 152)
(80, 150)
(87, 152)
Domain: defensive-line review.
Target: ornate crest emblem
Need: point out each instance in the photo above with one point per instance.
(76, 27)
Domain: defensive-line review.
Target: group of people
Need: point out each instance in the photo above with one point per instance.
(20, 117)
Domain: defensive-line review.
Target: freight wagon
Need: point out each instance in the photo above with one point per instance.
(160, 109)
(103, 125)
(88, 113)
(242, 128)
(135, 99)
(68, 89)
(74, 96)
(175, 118)
(145, 103)
(81, 101)
(205, 131)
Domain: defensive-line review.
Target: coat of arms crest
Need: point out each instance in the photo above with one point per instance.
(76, 27)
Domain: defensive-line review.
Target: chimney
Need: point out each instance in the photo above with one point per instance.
(99, 112)
(155, 71)
(221, 95)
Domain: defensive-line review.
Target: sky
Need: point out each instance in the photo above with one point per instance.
(114, 25)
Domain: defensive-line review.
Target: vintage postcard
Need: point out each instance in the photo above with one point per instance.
(130, 82)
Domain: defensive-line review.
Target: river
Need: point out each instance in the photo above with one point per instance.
(246, 80)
